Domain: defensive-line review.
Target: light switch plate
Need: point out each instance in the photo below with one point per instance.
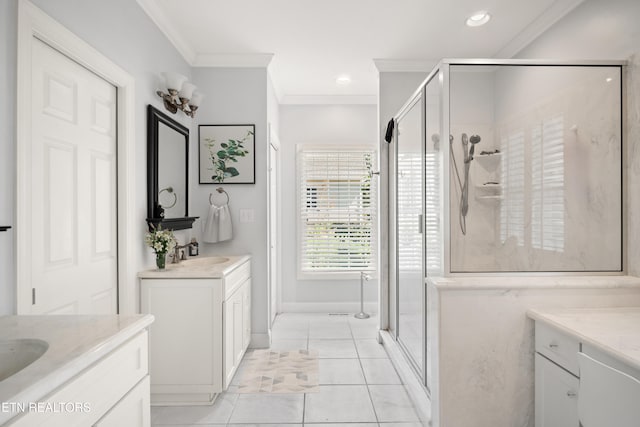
(247, 215)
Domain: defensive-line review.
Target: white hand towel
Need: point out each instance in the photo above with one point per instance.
(225, 228)
(210, 226)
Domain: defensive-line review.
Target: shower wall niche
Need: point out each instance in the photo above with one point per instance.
(542, 191)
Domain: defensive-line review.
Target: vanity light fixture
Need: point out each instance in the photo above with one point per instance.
(479, 18)
(181, 95)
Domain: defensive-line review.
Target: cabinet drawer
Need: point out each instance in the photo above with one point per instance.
(558, 347)
(236, 278)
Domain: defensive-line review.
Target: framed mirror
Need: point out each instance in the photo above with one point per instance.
(167, 172)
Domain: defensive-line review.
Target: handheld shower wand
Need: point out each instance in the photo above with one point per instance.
(464, 197)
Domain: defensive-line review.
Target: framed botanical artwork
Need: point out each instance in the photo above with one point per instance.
(227, 154)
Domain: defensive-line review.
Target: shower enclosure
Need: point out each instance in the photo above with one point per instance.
(503, 167)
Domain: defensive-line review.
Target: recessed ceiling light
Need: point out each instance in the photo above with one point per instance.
(609, 79)
(343, 80)
(479, 18)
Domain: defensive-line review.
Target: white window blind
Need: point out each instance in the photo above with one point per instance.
(512, 209)
(337, 211)
(432, 208)
(547, 173)
(409, 209)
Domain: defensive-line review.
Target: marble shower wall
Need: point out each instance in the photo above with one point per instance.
(585, 219)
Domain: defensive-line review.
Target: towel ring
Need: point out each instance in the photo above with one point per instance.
(219, 190)
(170, 191)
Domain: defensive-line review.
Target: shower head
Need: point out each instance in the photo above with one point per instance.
(473, 140)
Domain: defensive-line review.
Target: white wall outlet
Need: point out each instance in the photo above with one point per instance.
(247, 215)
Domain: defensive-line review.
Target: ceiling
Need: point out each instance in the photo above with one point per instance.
(308, 44)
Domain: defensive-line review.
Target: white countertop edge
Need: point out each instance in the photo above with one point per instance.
(533, 282)
(170, 272)
(46, 385)
(542, 316)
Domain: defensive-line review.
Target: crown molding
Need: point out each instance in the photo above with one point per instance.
(151, 8)
(233, 60)
(554, 13)
(329, 99)
(404, 65)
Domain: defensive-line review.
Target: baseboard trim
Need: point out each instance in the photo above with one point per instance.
(260, 341)
(328, 307)
(417, 392)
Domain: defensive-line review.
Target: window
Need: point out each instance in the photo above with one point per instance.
(409, 209)
(337, 210)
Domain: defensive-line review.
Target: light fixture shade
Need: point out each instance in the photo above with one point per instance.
(174, 80)
(196, 99)
(187, 90)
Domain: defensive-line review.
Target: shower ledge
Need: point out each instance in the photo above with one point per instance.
(504, 282)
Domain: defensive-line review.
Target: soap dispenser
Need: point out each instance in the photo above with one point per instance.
(193, 247)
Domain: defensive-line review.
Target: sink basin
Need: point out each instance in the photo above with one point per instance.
(15, 355)
(204, 261)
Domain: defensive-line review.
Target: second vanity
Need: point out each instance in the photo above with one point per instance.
(608, 335)
(202, 308)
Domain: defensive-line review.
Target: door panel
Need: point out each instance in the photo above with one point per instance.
(73, 187)
(409, 233)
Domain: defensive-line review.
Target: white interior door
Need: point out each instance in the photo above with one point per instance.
(72, 187)
(273, 232)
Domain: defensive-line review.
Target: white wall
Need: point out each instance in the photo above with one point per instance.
(136, 45)
(318, 124)
(236, 96)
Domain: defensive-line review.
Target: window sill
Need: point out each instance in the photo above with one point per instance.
(318, 276)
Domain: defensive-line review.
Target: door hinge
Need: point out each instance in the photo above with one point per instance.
(33, 296)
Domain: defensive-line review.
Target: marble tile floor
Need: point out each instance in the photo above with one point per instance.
(359, 386)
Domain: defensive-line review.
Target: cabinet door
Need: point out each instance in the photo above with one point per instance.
(232, 334)
(556, 395)
(132, 410)
(246, 308)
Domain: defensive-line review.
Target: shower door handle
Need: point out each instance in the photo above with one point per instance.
(420, 225)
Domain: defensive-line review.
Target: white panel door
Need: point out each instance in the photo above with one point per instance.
(73, 187)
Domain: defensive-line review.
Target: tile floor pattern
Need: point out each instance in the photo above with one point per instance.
(358, 385)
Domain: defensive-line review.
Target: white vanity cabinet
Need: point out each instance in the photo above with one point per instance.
(114, 392)
(202, 329)
(556, 378)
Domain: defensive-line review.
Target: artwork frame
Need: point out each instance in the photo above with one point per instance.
(226, 154)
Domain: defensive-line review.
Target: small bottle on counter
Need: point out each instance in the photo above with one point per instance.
(193, 247)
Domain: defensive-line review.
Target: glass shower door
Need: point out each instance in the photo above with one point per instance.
(409, 233)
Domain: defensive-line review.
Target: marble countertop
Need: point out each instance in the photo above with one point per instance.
(615, 331)
(75, 342)
(200, 267)
(470, 282)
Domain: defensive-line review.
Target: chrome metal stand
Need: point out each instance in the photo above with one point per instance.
(362, 315)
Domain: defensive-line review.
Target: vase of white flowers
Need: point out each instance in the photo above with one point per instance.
(161, 241)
